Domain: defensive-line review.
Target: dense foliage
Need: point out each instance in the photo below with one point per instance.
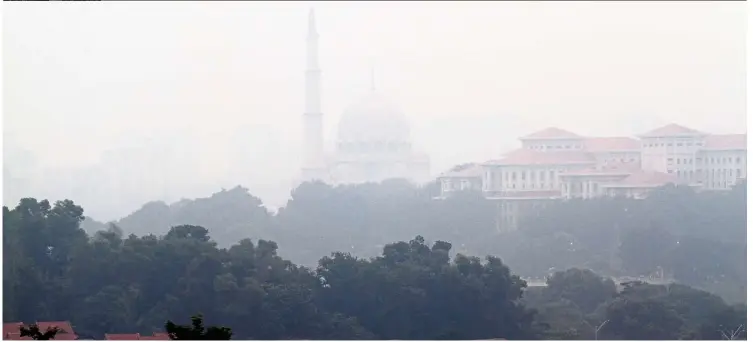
(106, 282)
(694, 238)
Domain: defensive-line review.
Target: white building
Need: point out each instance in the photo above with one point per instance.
(556, 164)
(373, 141)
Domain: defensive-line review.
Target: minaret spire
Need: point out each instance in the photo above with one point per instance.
(313, 163)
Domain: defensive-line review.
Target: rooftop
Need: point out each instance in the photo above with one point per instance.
(671, 130)
(551, 133)
(604, 144)
(726, 142)
(645, 179)
(525, 156)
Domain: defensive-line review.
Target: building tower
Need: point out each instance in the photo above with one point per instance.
(314, 167)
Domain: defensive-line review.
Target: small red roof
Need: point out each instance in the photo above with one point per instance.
(12, 331)
(524, 156)
(726, 142)
(671, 130)
(551, 133)
(12, 328)
(116, 337)
(606, 144)
(65, 326)
(65, 337)
(157, 337)
(645, 179)
(15, 337)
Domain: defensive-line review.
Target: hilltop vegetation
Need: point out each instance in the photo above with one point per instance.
(694, 238)
(365, 285)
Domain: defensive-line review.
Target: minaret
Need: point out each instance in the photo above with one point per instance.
(313, 163)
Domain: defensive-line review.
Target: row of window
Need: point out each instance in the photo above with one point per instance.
(709, 160)
(710, 173)
(555, 147)
(669, 144)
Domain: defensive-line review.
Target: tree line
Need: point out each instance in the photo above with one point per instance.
(677, 233)
(108, 281)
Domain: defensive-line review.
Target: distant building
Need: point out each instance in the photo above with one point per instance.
(373, 141)
(555, 164)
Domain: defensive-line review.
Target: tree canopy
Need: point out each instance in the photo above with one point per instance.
(384, 261)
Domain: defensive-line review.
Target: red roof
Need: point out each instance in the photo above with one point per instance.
(551, 133)
(726, 142)
(164, 337)
(671, 130)
(526, 156)
(12, 328)
(605, 144)
(645, 179)
(65, 337)
(115, 337)
(64, 326)
(15, 337)
(12, 331)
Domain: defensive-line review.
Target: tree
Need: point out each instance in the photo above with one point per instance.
(196, 331)
(35, 334)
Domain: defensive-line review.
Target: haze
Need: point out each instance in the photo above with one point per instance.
(116, 104)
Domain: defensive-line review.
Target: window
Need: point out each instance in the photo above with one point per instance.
(739, 172)
(670, 160)
(523, 175)
(669, 144)
(737, 160)
(679, 144)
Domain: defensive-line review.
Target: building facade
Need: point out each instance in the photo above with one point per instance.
(373, 141)
(555, 164)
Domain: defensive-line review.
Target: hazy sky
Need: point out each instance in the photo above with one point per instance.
(83, 78)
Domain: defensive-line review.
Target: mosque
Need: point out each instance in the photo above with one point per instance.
(373, 141)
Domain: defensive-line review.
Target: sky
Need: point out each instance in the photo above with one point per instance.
(188, 87)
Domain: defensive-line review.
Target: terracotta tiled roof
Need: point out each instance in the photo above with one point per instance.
(161, 337)
(726, 142)
(466, 171)
(116, 337)
(551, 133)
(65, 337)
(526, 156)
(15, 337)
(12, 331)
(605, 144)
(12, 328)
(671, 130)
(645, 179)
(65, 326)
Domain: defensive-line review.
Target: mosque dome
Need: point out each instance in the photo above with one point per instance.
(374, 120)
